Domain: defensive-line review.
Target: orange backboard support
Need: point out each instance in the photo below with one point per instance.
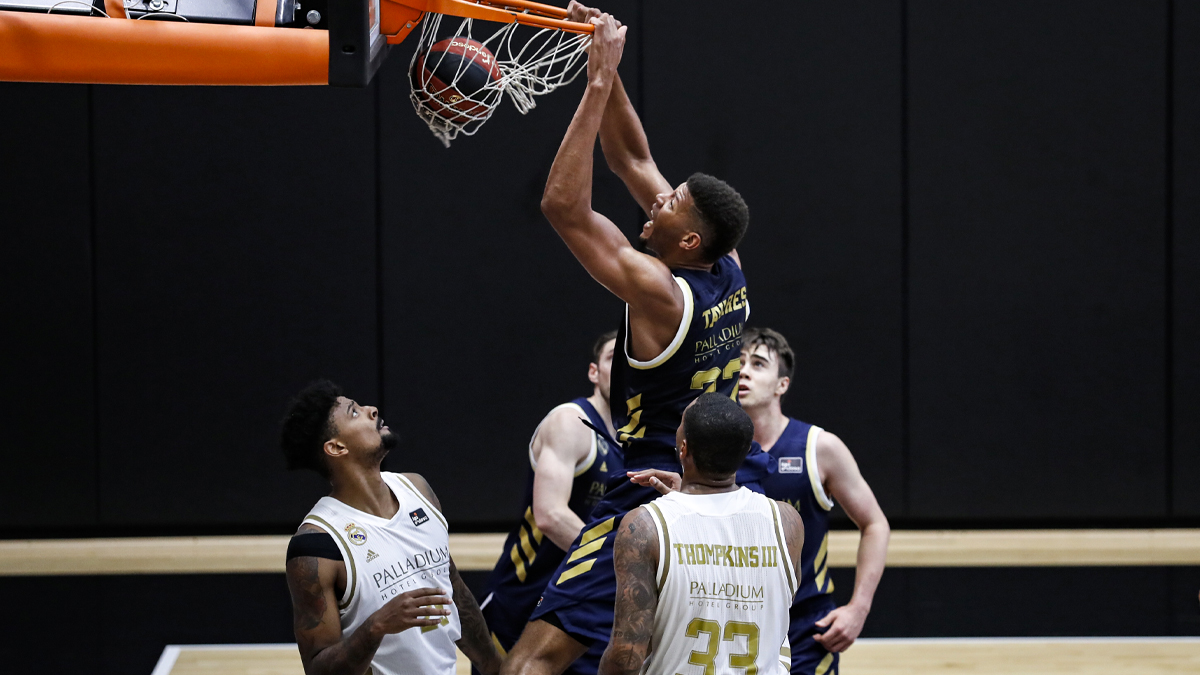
(38, 47)
(61, 48)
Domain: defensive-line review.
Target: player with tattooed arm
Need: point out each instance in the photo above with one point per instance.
(373, 587)
(705, 575)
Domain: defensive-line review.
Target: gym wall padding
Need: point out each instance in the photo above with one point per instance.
(806, 124)
(1037, 165)
(1185, 254)
(235, 252)
(47, 402)
(959, 211)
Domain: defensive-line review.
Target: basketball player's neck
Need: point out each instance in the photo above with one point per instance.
(769, 422)
(601, 405)
(704, 485)
(363, 489)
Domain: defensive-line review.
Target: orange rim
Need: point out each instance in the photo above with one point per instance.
(503, 11)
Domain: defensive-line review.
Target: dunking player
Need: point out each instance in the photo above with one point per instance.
(569, 466)
(686, 306)
(814, 467)
(371, 561)
(699, 568)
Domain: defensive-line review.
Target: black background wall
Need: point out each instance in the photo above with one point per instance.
(977, 222)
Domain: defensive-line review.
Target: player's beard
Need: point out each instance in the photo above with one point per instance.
(387, 441)
(642, 245)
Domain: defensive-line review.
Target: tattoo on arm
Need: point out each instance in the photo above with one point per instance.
(316, 623)
(635, 560)
(476, 642)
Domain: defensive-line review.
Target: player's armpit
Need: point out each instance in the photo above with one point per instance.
(635, 560)
(476, 643)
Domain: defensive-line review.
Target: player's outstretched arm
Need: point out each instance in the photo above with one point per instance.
(640, 280)
(561, 444)
(635, 559)
(845, 483)
(627, 151)
(476, 643)
(323, 650)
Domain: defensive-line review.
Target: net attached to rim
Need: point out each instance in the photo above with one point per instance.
(529, 61)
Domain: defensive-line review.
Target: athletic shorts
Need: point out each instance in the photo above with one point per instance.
(507, 629)
(808, 656)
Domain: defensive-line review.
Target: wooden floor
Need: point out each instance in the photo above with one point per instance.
(478, 552)
(998, 656)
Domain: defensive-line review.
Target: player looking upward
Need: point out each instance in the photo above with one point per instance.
(373, 587)
(814, 468)
(569, 466)
(686, 305)
(699, 568)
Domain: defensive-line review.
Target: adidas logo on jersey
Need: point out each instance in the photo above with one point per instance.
(418, 517)
(371, 555)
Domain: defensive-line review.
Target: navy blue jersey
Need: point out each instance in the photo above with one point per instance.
(649, 397)
(529, 558)
(794, 481)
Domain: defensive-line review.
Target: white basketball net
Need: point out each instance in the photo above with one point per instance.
(529, 66)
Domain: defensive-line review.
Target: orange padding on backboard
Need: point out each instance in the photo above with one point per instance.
(59, 48)
(264, 12)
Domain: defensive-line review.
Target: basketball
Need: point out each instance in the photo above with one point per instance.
(451, 78)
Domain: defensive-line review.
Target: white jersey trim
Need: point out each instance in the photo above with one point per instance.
(814, 476)
(348, 558)
(684, 323)
(664, 544)
(584, 464)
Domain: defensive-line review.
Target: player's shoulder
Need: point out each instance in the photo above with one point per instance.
(638, 530)
(418, 481)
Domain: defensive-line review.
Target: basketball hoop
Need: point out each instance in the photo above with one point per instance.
(458, 80)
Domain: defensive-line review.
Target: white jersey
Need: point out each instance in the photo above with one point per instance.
(385, 558)
(725, 583)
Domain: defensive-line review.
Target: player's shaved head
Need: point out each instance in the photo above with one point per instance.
(718, 434)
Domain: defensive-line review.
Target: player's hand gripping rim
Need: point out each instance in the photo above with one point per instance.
(665, 482)
(608, 43)
(420, 607)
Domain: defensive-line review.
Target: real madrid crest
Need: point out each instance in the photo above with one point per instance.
(356, 534)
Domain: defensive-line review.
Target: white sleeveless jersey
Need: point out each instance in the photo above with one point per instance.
(385, 558)
(725, 583)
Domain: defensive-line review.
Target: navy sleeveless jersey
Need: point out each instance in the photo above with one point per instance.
(648, 398)
(529, 558)
(795, 456)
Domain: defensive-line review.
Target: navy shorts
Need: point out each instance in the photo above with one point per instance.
(507, 629)
(808, 656)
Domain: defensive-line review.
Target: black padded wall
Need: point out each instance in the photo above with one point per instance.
(1186, 260)
(1037, 165)
(47, 403)
(247, 240)
(235, 254)
(807, 127)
